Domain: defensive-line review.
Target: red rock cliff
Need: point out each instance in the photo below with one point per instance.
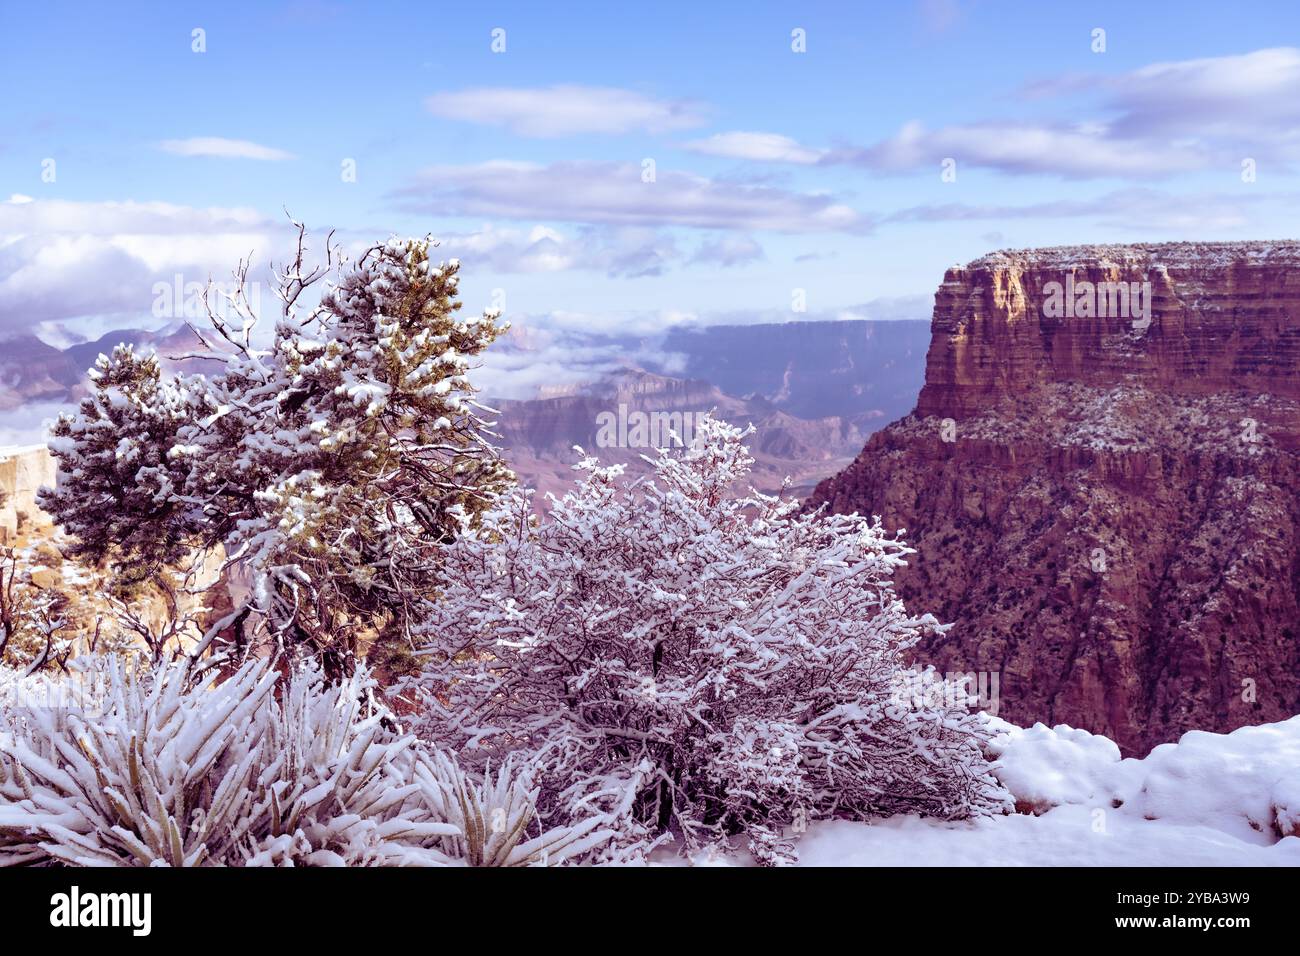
(1107, 505)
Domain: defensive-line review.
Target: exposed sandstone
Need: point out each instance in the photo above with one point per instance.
(1114, 526)
(23, 471)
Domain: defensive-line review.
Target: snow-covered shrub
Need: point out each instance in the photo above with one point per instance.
(10, 684)
(692, 663)
(82, 687)
(32, 619)
(241, 773)
(327, 465)
(17, 686)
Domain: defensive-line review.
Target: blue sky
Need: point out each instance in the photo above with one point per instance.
(775, 170)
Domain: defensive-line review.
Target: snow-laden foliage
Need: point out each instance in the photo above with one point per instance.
(118, 484)
(493, 819)
(328, 465)
(257, 771)
(31, 619)
(693, 663)
(81, 686)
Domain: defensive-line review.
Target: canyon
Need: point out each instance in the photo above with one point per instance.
(1104, 503)
(1106, 509)
(814, 392)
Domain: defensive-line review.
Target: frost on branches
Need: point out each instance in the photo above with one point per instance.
(31, 622)
(160, 772)
(693, 664)
(329, 466)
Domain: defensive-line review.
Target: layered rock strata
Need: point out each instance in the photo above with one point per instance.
(1106, 503)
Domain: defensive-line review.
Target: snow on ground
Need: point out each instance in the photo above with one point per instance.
(1208, 800)
(1061, 837)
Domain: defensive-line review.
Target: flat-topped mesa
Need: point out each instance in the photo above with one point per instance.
(1107, 507)
(1181, 317)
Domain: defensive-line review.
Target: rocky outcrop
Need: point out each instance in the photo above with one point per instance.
(1107, 505)
(23, 472)
(1222, 317)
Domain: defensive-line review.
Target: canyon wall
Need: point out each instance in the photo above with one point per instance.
(1107, 504)
(538, 435)
(813, 390)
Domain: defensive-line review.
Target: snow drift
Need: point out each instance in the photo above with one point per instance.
(1207, 800)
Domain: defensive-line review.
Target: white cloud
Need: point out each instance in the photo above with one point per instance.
(62, 260)
(761, 147)
(626, 251)
(1081, 151)
(552, 350)
(22, 215)
(615, 194)
(1157, 121)
(1250, 102)
(222, 148)
(882, 309)
(1138, 210)
(565, 109)
(728, 251)
(1234, 92)
(29, 424)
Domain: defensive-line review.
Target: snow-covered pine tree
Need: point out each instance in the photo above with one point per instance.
(329, 465)
(119, 484)
(694, 663)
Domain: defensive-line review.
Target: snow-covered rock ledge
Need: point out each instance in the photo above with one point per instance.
(1208, 800)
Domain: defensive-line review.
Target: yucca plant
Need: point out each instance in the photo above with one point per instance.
(493, 819)
(180, 775)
